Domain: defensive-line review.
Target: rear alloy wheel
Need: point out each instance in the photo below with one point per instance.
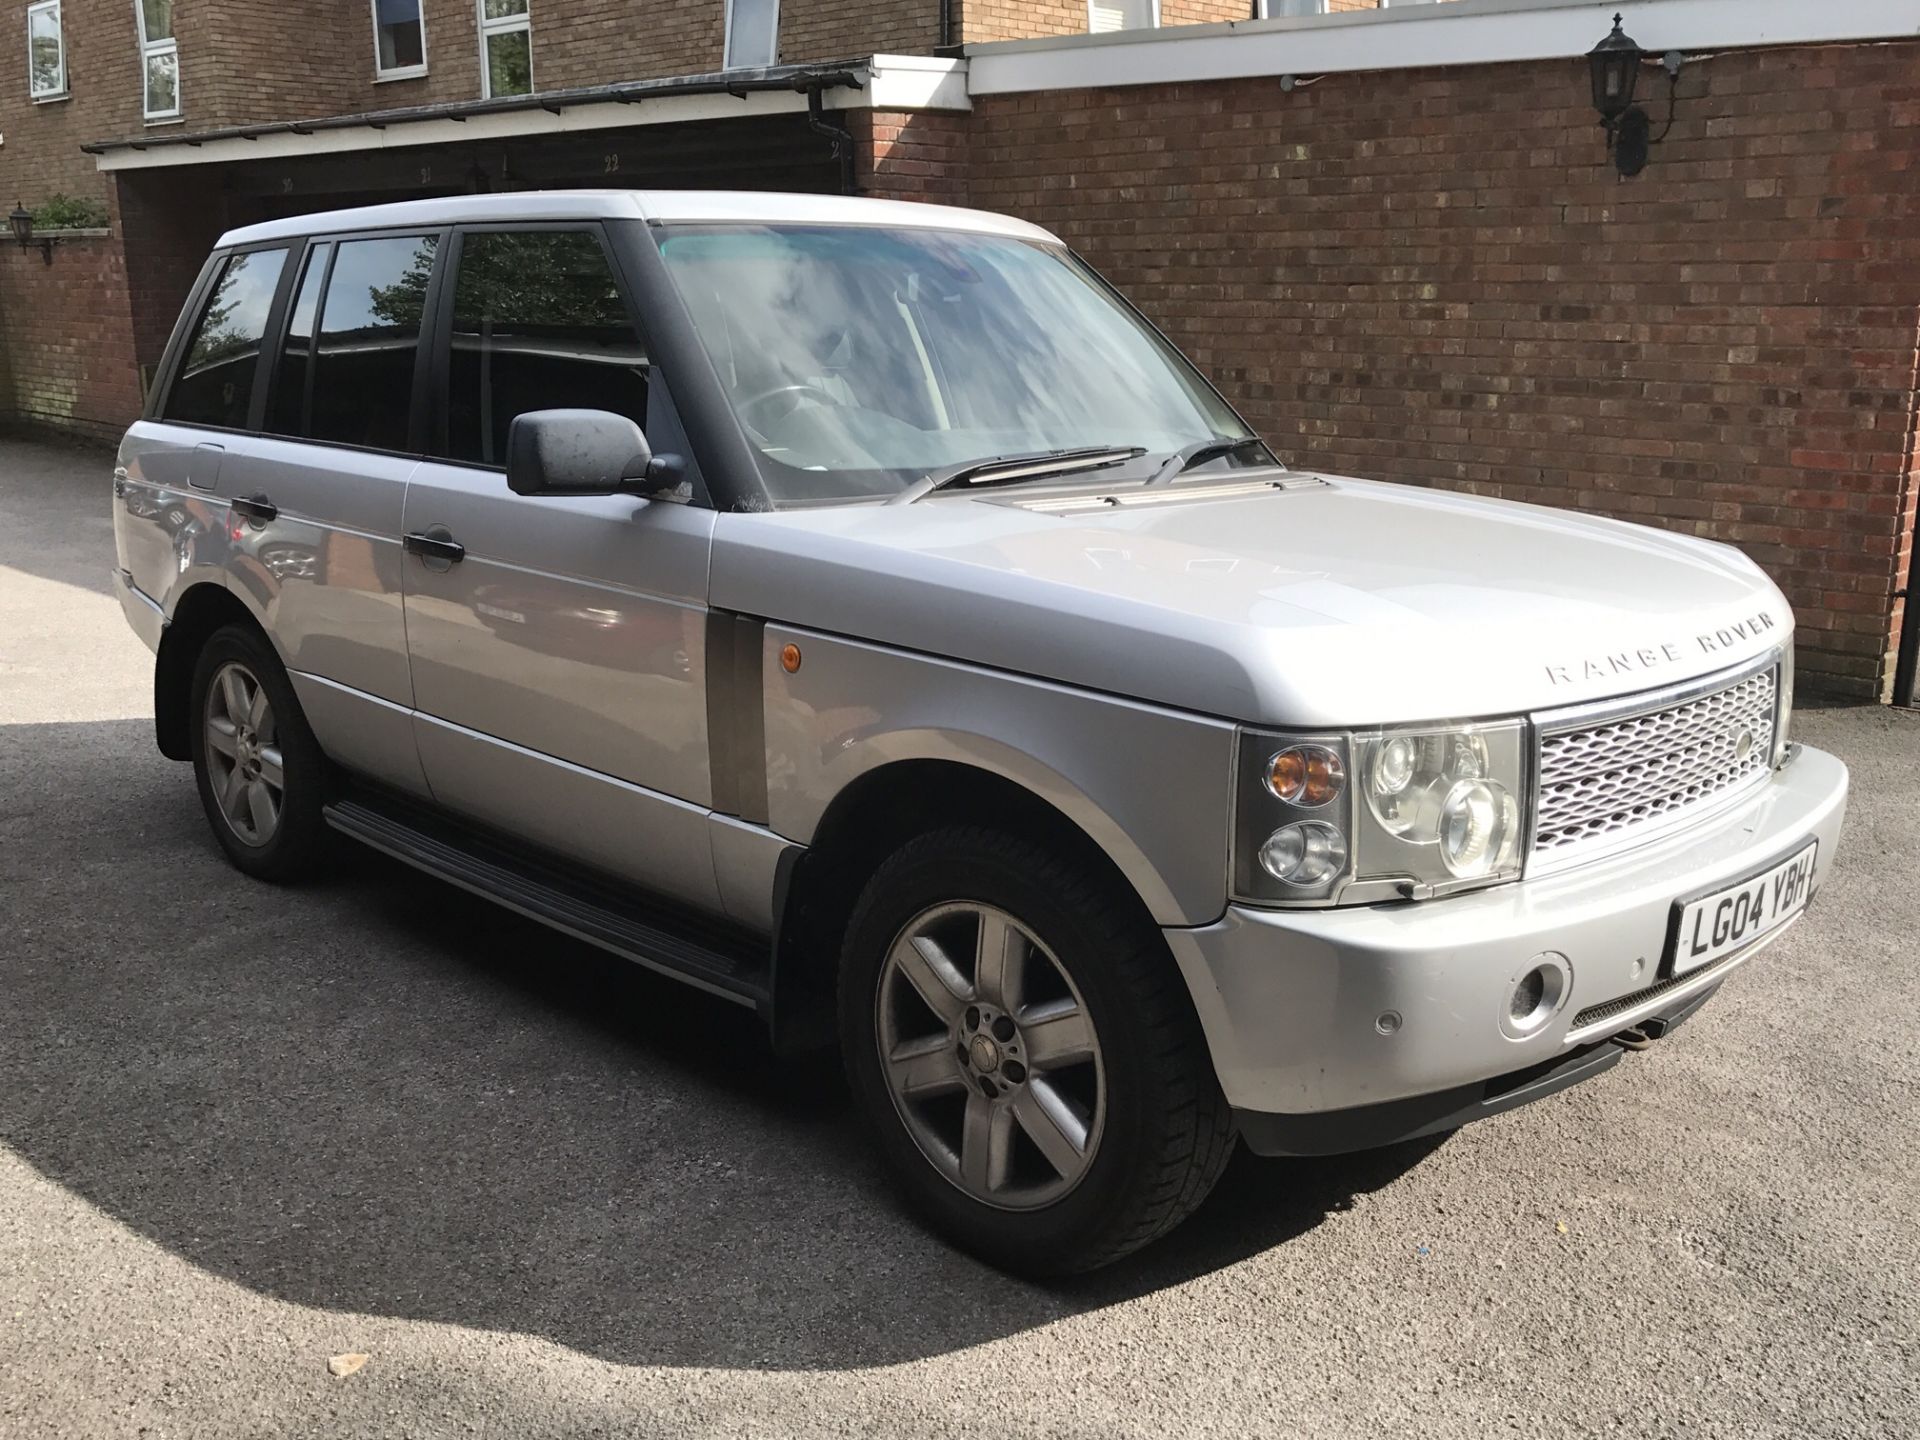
(244, 762)
(261, 775)
(1025, 1052)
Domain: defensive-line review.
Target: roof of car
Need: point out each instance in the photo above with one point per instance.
(723, 206)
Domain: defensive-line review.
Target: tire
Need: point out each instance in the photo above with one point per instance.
(234, 668)
(973, 1131)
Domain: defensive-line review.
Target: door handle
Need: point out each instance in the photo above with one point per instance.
(257, 508)
(435, 544)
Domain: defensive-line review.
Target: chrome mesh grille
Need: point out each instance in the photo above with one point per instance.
(1601, 783)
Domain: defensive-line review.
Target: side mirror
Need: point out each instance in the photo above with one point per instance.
(584, 452)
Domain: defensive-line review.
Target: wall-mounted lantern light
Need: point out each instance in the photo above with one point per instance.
(21, 222)
(1615, 63)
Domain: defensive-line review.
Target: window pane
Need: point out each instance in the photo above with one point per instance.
(860, 358)
(538, 324)
(215, 383)
(1107, 15)
(287, 401)
(369, 331)
(751, 31)
(397, 27)
(163, 84)
(510, 63)
(43, 52)
(505, 9)
(156, 17)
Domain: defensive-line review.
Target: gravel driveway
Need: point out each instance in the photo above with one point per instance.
(243, 1130)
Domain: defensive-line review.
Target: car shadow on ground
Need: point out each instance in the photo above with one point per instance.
(376, 1094)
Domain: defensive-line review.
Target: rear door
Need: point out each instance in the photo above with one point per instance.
(318, 497)
(173, 524)
(559, 662)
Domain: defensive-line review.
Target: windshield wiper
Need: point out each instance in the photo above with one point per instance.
(1010, 469)
(1201, 451)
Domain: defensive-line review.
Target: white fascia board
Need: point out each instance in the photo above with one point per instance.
(889, 82)
(909, 82)
(1466, 32)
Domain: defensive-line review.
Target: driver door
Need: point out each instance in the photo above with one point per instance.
(557, 643)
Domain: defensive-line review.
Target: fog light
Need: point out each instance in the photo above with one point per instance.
(1527, 995)
(1535, 995)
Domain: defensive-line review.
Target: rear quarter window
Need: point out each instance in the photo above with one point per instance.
(214, 385)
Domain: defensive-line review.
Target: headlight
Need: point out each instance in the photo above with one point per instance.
(1379, 815)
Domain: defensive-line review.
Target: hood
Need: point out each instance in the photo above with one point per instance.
(1335, 602)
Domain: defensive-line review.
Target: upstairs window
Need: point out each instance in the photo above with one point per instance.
(506, 48)
(399, 40)
(753, 33)
(1106, 15)
(46, 52)
(159, 59)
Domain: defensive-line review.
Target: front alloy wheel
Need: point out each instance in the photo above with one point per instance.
(1025, 1052)
(990, 1057)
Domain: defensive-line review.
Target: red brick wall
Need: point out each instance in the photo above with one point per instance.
(69, 338)
(842, 29)
(921, 156)
(983, 21)
(1435, 276)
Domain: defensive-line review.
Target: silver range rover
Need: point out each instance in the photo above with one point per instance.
(857, 611)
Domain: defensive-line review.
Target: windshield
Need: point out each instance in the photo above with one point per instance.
(860, 359)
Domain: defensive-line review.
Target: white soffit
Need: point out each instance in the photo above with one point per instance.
(889, 82)
(1462, 32)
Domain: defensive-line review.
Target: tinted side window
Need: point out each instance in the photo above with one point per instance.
(538, 324)
(215, 383)
(287, 401)
(369, 333)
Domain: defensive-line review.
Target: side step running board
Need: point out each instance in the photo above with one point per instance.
(733, 967)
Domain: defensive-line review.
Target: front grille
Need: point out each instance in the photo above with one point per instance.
(1603, 783)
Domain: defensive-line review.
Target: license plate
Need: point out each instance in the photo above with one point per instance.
(1722, 921)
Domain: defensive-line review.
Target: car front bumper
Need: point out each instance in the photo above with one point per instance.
(1338, 1029)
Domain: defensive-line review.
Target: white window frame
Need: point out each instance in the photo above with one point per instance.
(149, 51)
(506, 26)
(59, 91)
(401, 72)
(773, 39)
(1153, 17)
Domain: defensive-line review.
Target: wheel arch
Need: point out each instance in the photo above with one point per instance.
(870, 818)
(197, 614)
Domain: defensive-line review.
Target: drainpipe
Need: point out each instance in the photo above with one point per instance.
(841, 137)
(1906, 673)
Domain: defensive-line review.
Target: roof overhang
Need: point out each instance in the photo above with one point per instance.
(884, 82)
(1403, 36)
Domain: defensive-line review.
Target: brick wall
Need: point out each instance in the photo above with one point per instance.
(1436, 277)
(982, 21)
(69, 338)
(919, 156)
(1203, 12)
(842, 29)
(242, 62)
